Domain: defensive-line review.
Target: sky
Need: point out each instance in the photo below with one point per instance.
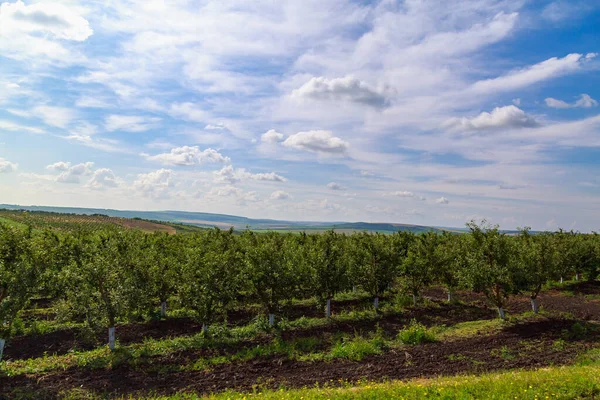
(417, 111)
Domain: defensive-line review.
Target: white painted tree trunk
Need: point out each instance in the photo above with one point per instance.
(2, 343)
(501, 313)
(354, 289)
(450, 296)
(111, 338)
(163, 309)
(577, 276)
(204, 328)
(271, 319)
(534, 305)
(328, 309)
(562, 280)
(415, 298)
(376, 303)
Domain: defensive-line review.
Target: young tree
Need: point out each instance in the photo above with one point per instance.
(97, 281)
(423, 259)
(165, 258)
(374, 261)
(489, 268)
(269, 269)
(18, 277)
(536, 257)
(325, 260)
(209, 280)
(454, 252)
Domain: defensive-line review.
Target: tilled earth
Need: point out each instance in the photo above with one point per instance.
(533, 344)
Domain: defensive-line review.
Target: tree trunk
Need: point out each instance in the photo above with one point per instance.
(376, 303)
(501, 313)
(111, 338)
(415, 298)
(577, 276)
(562, 280)
(328, 309)
(450, 296)
(534, 305)
(204, 328)
(163, 309)
(354, 289)
(2, 343)
(271, 319)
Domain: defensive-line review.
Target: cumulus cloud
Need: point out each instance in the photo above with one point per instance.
(7, 166)
(103, 178)
(317, 141)
(157, 184)
(231, 175)
(59, 166)
(188, 156)
(271, 136)
(130, 123)
(280, 195)
(500, 117)
(442, 200)
(341, 89)
(335, 186)
(71, 174)
(584, 101)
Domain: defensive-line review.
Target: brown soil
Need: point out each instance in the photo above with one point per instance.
(529, 345)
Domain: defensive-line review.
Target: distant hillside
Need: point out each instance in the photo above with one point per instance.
(226, 221)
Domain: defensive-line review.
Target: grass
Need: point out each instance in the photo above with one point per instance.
(580, 381)
(416, 333)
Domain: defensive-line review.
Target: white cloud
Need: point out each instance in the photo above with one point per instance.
(231, 175)
(317, 141)
(7, 166)
(500, 117)
(407, 195)
(335, 186)
(545, 70)
(130, 123)
(442, 200)
(71, 174)
(157, 184)
(342, 89)
(240, 196)
(37, 30)
(103, 178)
(584, 101)
(9, 126)
(280, 195)
(189, 112)
(189, 156)
(59, 117)
(59, 166)
(271, 136)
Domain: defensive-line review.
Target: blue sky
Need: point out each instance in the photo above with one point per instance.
(415, 111)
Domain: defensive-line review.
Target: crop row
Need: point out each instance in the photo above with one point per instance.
(106, 276)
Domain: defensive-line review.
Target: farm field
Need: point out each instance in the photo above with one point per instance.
(170, 356)
(116, 311)
(70, 222)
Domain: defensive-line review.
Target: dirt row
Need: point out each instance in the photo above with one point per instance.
(528, 345)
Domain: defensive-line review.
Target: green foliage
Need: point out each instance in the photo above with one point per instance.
(19, 275)
(489, 267)
(415, 333)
